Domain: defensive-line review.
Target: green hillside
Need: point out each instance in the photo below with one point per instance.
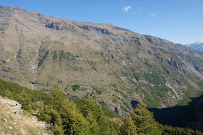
(67, 115)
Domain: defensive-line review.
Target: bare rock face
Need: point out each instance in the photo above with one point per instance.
(13, 105)
(38, 51)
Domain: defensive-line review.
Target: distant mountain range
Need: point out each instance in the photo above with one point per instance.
(198, 46)
(113, 65)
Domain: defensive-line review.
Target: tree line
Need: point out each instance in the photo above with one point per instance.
(71, 116)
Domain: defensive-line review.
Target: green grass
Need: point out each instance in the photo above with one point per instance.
(160, 90)
(151, 101)
(124, 108)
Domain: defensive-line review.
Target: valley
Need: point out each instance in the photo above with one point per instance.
(113, 65)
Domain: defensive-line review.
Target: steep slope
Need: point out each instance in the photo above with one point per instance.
(196, 46)
(15, 122)
(112, 64)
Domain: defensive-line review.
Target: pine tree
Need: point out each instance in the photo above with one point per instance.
(128, 127)
(94, 127)
(96, 111)
(144, 121)
(113, 130)
(52, 117)
(74, 122)
(56, 96)
(56, 120)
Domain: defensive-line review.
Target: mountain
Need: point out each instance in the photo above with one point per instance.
(68, 115)
(113, 65)
(196, 46)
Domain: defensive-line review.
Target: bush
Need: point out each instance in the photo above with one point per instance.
(76, 87)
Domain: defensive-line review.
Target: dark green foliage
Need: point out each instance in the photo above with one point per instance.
(160, 90)
(41, 61)
(90, 109)
(97, 116)
(52, 26)
(153, 78)
(75, 87)
(126, 104)
(8, 94)
(64, 115)
(155, 85)
(23, 95)
(114, 85)
(168, 130)
(61, 55)
(55, 56)
(60, 81)
(144, 121)
(65, 56)
(56, 96)
(98, 90)
(151, 101)
(51, 116)
(72, 120)
(114, 128)
(19, 54)
(73, 116)
(136, 76)
(125, 109)
(128, 127)
(132, 82)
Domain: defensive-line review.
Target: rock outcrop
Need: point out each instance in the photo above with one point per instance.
(13, 121)
(13, 105)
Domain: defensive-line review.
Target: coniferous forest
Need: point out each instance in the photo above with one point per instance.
(73, 116)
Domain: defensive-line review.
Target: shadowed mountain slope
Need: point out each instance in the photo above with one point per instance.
(182, 116)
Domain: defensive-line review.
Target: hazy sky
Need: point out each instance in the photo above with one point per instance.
(180, 21)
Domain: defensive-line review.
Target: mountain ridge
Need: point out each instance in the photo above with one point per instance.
(198, 46)
(112, 64)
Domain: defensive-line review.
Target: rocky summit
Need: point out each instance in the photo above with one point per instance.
(115, 66)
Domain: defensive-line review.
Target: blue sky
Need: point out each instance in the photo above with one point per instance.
(180, 21)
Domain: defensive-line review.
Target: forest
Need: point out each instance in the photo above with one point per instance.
(73, 116)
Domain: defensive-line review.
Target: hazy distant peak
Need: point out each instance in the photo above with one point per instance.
(198, 46)
(198, 43)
